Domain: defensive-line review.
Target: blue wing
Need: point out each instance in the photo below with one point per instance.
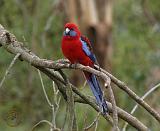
(87, 50)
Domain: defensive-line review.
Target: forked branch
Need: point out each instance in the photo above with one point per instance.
(9, 42)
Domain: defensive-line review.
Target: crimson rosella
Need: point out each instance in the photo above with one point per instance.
(78, 49)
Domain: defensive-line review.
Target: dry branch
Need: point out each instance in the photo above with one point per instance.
(9, 42)
(133, 95)
(93, 123)
(115, 116)
(70, 104)
(89, 100)
(143, 97)
(54, 106)
(40, 122)
(9, 68)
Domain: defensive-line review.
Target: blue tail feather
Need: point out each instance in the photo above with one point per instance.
(95, 87)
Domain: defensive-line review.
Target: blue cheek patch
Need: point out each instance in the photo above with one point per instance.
(72, 33)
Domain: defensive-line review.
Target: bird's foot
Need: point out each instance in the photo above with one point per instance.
(73, 66)
(98, 68)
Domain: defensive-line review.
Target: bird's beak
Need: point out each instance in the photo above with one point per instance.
(67, 30)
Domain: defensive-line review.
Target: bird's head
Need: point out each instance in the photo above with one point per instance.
(71, 31)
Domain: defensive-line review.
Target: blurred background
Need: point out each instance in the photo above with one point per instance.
(126, 39)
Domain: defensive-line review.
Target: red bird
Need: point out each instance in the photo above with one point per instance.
(78, 49)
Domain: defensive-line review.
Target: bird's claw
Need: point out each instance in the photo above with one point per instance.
(98, 68)
(74, 66)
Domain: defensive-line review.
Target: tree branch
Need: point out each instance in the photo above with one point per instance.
(10, 43)
(143, 97)
(40, 122)
(70, 103)
(114, 109)
(81, 98)
(55, 105)
(133, 95)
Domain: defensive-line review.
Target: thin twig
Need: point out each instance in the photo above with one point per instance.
(85, 119)
(75, 126)
(42, 121)
(114, 109)
(143, 97)
(44, 91)
(84, 84)
(96, 126)
(93, 123)
(65, 119)
(56, 102)
(9, 68)
(70, 103)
